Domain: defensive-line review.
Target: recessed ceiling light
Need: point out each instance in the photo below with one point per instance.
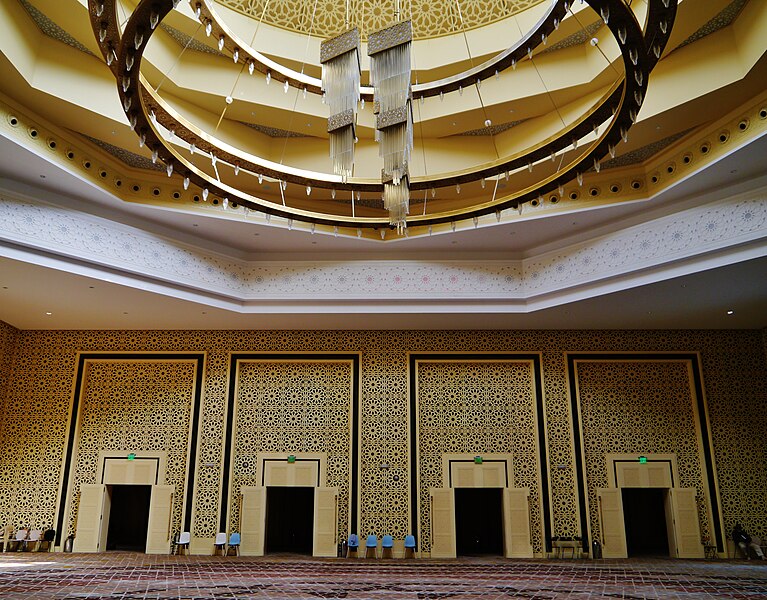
(729, 312)
(125, 313)
(42, 176)
(90, 287)
(49, 313)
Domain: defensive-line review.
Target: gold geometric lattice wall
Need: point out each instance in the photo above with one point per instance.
(41, 366)
(134, 406)
(293, 407)
(478, 408)
(640, 407)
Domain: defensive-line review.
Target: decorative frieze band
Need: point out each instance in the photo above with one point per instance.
(42, 230)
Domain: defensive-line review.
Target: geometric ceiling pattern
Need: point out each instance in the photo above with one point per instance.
(431, 18)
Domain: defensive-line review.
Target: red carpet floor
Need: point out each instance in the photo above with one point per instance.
(136, 576)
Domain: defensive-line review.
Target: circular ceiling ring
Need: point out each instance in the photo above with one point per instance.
(523, 48)
(162, 113)
(623, 104)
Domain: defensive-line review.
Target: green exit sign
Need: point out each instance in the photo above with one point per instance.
(642, 459)
(292, 458)
(132, 456)
(478, 460)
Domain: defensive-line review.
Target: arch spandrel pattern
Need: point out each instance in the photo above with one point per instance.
(44, 362)
(136, 406)
(292, 408)
(478, 408)
(639, 408)
(431, 18)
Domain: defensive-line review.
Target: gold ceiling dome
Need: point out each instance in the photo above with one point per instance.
(430, 18)
(577, 137)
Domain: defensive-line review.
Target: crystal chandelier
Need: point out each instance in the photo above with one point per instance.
(340, 59)
(389, 51)
(547, 166)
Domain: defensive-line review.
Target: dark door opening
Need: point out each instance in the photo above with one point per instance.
(479, 521)
(128, 517)
(289, 519)
(645, 516)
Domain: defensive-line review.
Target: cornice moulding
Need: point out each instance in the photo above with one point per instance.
(695, 239)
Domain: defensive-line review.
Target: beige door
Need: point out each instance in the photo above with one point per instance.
(105, 512)
(612, 523)
(442, 522)
(252, 520)
(90, 518)
(684, 523)
(325, 521)
(516, 523)
(160, 515)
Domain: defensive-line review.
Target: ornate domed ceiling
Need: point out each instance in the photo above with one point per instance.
(327, 18)
(482, 134)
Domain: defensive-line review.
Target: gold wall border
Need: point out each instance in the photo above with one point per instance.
(701, 423)
(226, 494)
(72, 433)
(542, 450)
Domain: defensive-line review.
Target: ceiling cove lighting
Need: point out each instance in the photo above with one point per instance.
(578, 146)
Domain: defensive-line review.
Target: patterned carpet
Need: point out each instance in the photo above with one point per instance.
(137, 576)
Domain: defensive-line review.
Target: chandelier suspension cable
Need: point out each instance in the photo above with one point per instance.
(548, 92)
(178, 58)
(295, 99)
(487, 121)
(549, 96)
(585, 31)
(230, 96)
(126, 16)
(420, 119)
